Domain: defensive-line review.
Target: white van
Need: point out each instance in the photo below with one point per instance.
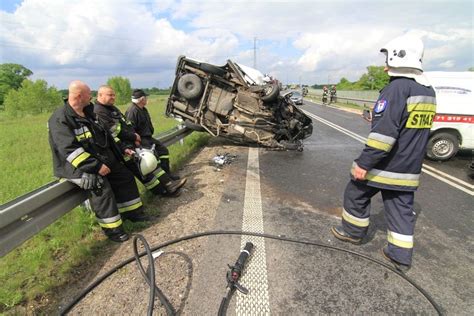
(453, 125)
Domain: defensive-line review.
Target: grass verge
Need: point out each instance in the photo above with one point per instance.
(30, 273)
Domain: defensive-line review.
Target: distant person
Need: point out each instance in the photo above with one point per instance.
(367, 114)
(85, 154)
(393, 155)
(333, 94)
(325, 95)
(110, 117)
(304, 91)
(138, 115)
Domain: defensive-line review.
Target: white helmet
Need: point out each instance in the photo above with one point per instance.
(147, 161)
(404, 52)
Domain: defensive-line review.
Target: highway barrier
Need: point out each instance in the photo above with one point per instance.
(25, 216)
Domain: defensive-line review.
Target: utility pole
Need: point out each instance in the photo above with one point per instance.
(255, 52)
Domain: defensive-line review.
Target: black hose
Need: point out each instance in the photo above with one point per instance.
(220, 232)
(149, 277)
(225, 302)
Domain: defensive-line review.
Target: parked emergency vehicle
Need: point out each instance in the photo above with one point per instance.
(453, 124)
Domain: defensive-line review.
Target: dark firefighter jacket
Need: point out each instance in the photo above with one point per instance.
(79, 144)
(141, 120)
(395, 148)
(121, 129)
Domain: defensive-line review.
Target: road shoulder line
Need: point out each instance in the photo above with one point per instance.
(255, 274)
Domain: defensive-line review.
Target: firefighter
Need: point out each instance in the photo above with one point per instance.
(111, 118)
(325, 95)
(138, 115)
(333, 94)
(85, 154)
(304, 91)
(393, 155)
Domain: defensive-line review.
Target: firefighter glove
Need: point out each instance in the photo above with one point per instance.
(89, 181)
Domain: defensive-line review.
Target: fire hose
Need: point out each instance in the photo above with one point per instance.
(169, 309)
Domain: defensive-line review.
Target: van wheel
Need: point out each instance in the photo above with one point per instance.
(190, 86)
(271, 92)
(212, 69)
(442, 146)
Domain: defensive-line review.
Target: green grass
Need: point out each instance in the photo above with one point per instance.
(25, 158)
(48, 260)
(45, 260)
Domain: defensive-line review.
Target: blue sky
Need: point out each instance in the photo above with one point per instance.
(298, 41)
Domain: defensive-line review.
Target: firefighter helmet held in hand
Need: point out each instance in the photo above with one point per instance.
(147, 161)
(404, 52)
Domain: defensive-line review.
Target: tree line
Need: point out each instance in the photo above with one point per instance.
(374, 79)
(20, 96)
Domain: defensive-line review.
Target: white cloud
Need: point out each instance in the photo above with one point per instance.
(296, 40)
(338, 49)
(100, 35)
(448, 64)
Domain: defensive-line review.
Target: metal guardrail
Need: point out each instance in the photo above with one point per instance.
(357, 100)
(27, 215)
(363, 101)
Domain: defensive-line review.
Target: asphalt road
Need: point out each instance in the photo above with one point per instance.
(299, 195)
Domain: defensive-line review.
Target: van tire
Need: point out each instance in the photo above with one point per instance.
(212, 69)
(271, 91)
(190, 86)
(442, 146)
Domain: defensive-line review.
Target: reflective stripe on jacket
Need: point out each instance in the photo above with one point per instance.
(78, 144)
(112, 119)
(396, 145)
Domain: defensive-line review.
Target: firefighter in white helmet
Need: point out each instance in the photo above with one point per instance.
(392, 158)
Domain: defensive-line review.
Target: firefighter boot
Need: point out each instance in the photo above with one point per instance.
(172, 187)
(165, 165)
(116, 234)
(399, 266)
(340, 233)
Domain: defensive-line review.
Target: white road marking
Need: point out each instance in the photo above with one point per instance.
(441, 173)
(435, 173)
(256, 302)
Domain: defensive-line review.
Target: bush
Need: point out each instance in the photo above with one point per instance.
(32, 98)
(11, 77)
(122, 88)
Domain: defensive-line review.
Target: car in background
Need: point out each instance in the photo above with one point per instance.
(236, 102)
(296, 97)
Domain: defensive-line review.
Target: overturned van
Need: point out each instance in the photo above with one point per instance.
(453, 125)
(236, 102)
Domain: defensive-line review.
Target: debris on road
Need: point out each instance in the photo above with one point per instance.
(225, 159)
